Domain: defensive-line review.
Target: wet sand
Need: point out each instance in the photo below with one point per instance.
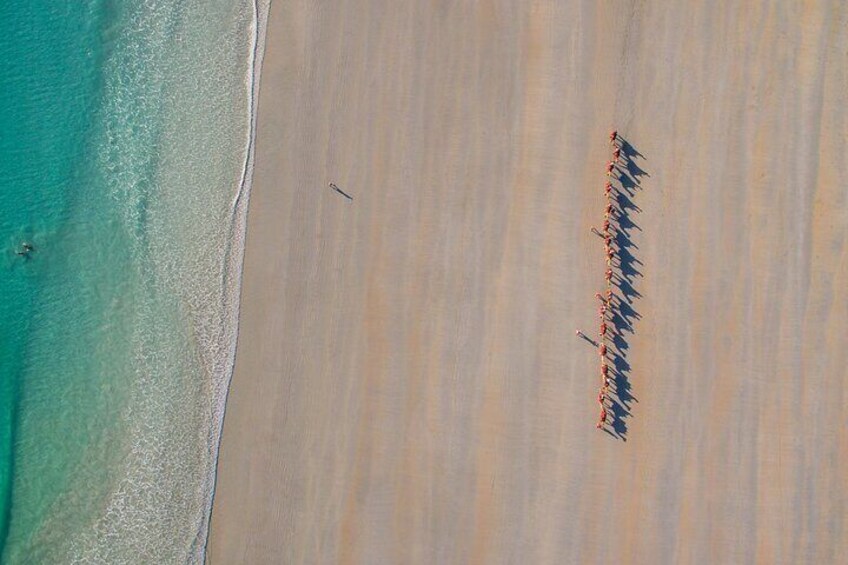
(408, 385)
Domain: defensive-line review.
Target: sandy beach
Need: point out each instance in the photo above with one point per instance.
(408, 385)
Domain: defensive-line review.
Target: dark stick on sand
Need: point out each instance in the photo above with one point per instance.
(340, 191)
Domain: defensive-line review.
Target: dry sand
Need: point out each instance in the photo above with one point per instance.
(408, 385)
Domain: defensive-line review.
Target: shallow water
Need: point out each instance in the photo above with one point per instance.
(124, 135)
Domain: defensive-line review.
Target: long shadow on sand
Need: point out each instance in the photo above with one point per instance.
(628, 271)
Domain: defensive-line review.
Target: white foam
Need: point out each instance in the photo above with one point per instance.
(236, 253)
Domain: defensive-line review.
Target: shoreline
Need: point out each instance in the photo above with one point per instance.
(240, 208)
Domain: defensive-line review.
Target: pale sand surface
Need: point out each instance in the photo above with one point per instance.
(408, 386)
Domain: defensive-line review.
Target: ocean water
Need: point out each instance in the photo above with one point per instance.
(124, 139)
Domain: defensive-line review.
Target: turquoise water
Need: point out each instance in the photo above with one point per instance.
(123, 139)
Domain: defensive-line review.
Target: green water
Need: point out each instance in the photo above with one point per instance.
(123, 129)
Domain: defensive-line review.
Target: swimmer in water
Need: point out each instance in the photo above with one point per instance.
(25, 250)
